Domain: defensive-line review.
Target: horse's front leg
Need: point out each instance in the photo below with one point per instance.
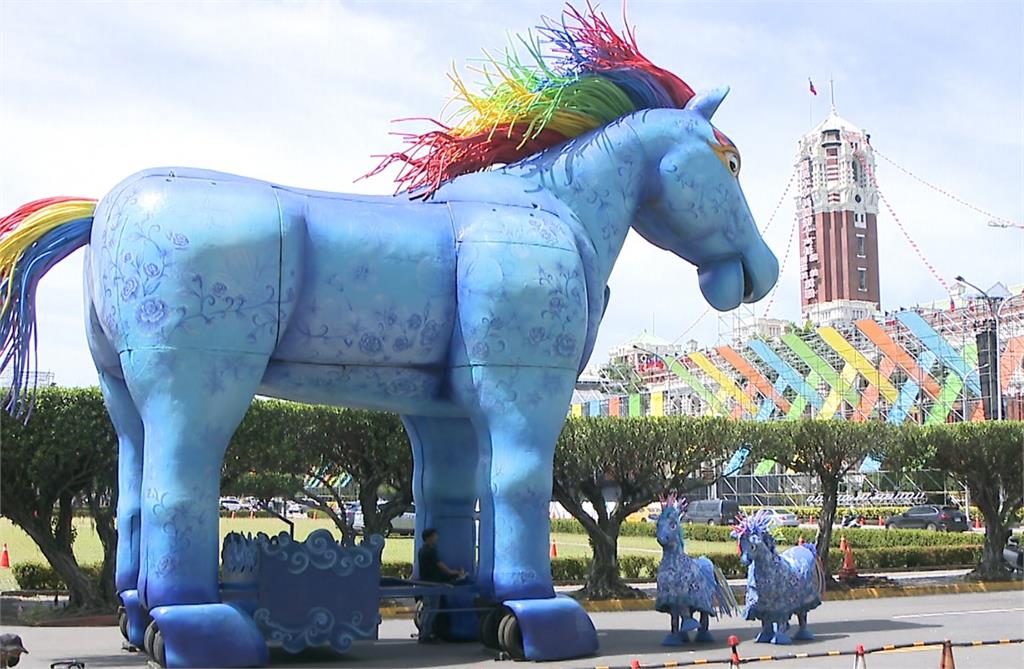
(781, 636)
(675, 637)
(444, 486)
(767, 631)
(190, 401)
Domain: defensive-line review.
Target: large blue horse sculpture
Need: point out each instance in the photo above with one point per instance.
(779, 586)
(687, 585)
(470, 313)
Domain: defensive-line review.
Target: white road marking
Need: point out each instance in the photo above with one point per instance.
(957, 613)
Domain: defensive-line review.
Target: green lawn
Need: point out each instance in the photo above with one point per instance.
(396, 549)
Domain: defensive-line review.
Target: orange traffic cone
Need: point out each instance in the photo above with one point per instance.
(554, 549)
(977, 522)
(232, 515)
(860, 662)
(5, 558)
(947, 656)
(881, 521)
(849, 569)
(810, 520)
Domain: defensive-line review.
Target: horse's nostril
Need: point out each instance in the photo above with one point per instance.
(748, 285)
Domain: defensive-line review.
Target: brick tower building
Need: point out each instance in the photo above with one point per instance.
(837, 207)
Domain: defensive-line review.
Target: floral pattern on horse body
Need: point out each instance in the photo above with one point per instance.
(687, 585)
(779, 585)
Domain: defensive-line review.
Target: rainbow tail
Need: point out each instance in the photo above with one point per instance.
(33, 239)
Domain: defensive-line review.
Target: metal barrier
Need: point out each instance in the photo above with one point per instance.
(734, 659)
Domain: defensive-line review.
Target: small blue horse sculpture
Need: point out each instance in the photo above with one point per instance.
(687, 585)
(778, 585)
(470, 313)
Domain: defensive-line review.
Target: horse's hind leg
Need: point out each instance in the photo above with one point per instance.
(133, 619)
(128, 426)
(703, 634)
(803, 634)
(190, 401)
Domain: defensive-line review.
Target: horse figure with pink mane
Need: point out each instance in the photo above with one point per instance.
(468, 303)
(779, 586)
(687, 585)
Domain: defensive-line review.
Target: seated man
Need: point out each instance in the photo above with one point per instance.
(432, 569)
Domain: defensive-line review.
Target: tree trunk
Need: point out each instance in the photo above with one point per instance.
(604, 580)
(992, 566)
(83, 591)
(829, 499)
(103, 517)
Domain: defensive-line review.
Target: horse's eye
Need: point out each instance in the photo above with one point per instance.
(734, 163)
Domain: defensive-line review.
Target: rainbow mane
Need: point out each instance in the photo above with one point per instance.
(592, 77)
(33, 239)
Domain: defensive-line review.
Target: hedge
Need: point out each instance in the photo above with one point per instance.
(38, 576)
(857, 538)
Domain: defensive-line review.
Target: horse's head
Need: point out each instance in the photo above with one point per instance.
(670, 530)
(754, 537)
(694, 207)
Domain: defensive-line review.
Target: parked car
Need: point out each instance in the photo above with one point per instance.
(231, 504)
(783, 518)
(929, 517)
(1013, 553)
(403, 524)
(712, 512)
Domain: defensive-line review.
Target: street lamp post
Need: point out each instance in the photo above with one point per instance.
(995, 307)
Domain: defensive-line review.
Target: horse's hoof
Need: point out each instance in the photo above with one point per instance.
(764, 637)
(206, 635)
(781, 639)
(678, 639)
(803, 634)
(688, 625)
(703, 636)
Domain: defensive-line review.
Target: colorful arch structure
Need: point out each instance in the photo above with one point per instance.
(904, 369)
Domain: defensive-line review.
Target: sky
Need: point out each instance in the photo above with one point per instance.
(303, 94)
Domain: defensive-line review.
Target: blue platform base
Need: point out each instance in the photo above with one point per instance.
(210, 635)
(138, 619)
(556, 628)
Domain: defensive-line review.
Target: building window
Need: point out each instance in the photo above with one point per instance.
(861, 250)
(862, 279)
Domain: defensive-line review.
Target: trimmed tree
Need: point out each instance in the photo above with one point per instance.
(282, 446)
(988, 459)
(66, 453)
(631, 462)
(828, 449)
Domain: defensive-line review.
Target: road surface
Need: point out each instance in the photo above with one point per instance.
(838, 625)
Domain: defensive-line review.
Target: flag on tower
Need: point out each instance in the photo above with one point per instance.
(814, 91)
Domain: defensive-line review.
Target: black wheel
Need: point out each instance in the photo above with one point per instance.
(489, 629)
(511, 637)
(147, 640)
(159, 653)
(122, 621)
(417, 616)
(931, 527)
(711, 521)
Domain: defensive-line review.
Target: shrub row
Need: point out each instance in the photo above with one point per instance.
(858, 538)
(38, 576)
(41, 576)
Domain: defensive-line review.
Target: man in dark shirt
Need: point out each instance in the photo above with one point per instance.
(433, 570)
(431, 567)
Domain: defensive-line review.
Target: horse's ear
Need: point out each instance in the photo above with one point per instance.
(706, 103)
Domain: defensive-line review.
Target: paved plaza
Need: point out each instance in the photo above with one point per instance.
(839, 625)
